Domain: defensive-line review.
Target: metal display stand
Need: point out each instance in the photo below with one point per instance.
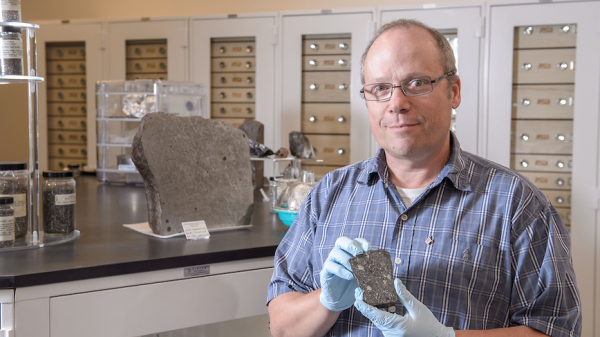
(34, 238)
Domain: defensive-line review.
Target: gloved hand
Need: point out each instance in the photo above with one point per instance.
(337, 280)
(418, 321)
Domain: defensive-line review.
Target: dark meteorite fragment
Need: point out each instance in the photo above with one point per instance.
(300, 146)
(374, 274)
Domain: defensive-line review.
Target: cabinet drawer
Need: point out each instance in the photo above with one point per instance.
(332, 86)
(558, 198)
(233, 64)
(58, 164)
(543, 101)
(565, 214)
(65, 53)
(232, 49)
(544, 66)
(67, 109)
(245, 110)
(232, 80)
(142, 51)
(541, 162)
(542, 136)
(326, 118)
(67, 137)
(335, 150)
(233, 121)
(545, 36)
(146, 66)
(324, 47)
(66, 81)
(67, 95)
(67, 151)
(326, 62)
(232, 95)
(146, 76)
(65, 67)
(549, 180)
(67, 123)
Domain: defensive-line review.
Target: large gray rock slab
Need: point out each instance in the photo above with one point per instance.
(193, 169)
(255, 130)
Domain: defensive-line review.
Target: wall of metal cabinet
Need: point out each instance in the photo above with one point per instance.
(542, 118)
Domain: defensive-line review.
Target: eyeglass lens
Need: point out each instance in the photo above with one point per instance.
(411, 87)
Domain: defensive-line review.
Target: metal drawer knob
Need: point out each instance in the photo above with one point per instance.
(560, 137)
(525, 137)
(561, 101)
(82, 67)
(222, 50)
(563, 66)
(60, 151)
(314, 46)
(83, 138)
(312, 119)
(564, 29)
(559, 182)
(341, 151)
(313, 63)
(560, 199)
(343, 46)
(343, 86)
(83, 95)
(61, 165)
(526, 66)
(524, 163)
(342, 62)
(222, 110)
(223, 80)
(83, 152)
(341, 119)
(138, 66)
(249, 49)
(560, 164)
(60, 81)
(162, 50)
(82, 124)
(222, 65)
(313, 86)
(60, 123)
(249, 95)
(528, 30)
(248, 65)
(82, 52)
(60, 95)
(249, 110)
(82, 81)
(59, 67)
(249, 80)
(222, 95)
(137, 51)
(162, 66)
(61, 138)
(525, 102)
(59, 53)
(60, 109)
(83, 109)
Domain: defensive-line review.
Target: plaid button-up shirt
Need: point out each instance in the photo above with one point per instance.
(481, 247)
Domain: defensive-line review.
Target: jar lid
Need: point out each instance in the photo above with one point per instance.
(11, 29)
(58, 174)
(6, 200)
(73, 166)
(12, 166)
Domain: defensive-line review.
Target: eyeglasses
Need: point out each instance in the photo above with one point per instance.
(412, 87)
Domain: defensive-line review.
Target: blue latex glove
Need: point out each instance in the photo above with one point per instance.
(418, 321)
(337, 280)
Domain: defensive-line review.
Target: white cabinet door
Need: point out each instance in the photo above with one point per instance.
(532, 20)
(358, 25)
(90, 34)
(174, 31)
(463, 26)
(261, 29)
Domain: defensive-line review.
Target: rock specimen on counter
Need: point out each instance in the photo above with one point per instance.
(255, 131)
(300, 146)
(373, 271)
(193, 169)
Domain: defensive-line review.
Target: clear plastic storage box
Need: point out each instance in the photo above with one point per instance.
(120, 108)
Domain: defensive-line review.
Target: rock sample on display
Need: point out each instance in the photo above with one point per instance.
(255, 131)
(300, 146)
(193, 169)
(374, 274)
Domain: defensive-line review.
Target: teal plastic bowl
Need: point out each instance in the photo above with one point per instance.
(287, 217)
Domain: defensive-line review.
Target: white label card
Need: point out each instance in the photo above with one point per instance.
(195, 230)
(64, 199)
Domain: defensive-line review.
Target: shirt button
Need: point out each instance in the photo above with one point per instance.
(398, 260)
(403, 217)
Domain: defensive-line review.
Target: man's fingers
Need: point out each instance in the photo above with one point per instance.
(381, 319)
(407, 299)
(333, 267)
(352, 247)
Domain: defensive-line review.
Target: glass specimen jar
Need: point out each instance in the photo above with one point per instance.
(11, 51)
(58, 197)
(14, 183)
(7, 222)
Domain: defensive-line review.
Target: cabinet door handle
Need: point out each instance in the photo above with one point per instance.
(162, 50)
(60, 81)
(559, 199)
(82, 124)
(526, 66)
(249, 80)
(524, 137)
(312, 118)
(561, 101)
(222, 50)
(82, 81)
(249, 95)
(221, 65)
(341, 151)
(60, 137)
(223, 80)
(83, 138)
(559, 182)
(524, 163)
(343, 86)
(560, 164)
(313, 63)
(343, 63)
(563, 66)
(528, 30)
(314, 46)
(560, 137)
(343, 46)
(137, 51)
(59, 67)
(248, 65)
(565, 29)
(341, 119)
(138, 66)
(222, 110)
(313, 86)
(249, 49)
(222, 95)
(249, 110)
(162, 65)
(526, 101)
(82, 67)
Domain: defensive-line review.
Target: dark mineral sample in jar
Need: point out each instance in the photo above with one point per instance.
(59, 202)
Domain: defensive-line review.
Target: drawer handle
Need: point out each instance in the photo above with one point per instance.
(61, 165)
(564, 29)
(83, 109)
(249, 80)
(249, 110)
(162, 50)
(82, 81)
(83, 138)
(314, 46)
(561, 101)
(343, 86)
(524, 163)
(559, 182)
(223, 80)
(137, 51)
(60, 137)
(60, 81)
(313, 86)
(222, 110)
(343, 46)
(61, 151)
(222, 95)
(341, 151)
(162, 66)
(59, 53)
(560, 137)
(563, 66)
(528, 30)
(312, 119)
(60, 109)
(222, 50)
(343, 63)
(559, 199)
(526, 66)
(82, 124)
(341, 119)
(248, 65)
(249, 49)
(313, 63)
(560, 164)
(525, 137)
(138, 66)
(83, 95)
(59, 67)
(82, 67)
(60, 95)
(60, 123)
(82, 52)
(249, 95)
(83, 152)
(221, 64)
(525, 101)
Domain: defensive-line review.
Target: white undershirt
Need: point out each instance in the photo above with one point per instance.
(409, 195)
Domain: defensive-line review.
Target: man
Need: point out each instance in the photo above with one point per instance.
(474, 245)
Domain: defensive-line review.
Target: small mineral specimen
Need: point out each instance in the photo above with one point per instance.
(300, 146)
(374, 271)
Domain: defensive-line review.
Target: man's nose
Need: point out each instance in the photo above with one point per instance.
(398, 101)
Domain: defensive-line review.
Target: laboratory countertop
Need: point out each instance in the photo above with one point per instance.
(106, 248)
